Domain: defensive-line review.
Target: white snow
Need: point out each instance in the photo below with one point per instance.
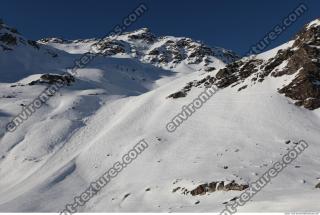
(314, 23)
(272, 52)
(116, 102)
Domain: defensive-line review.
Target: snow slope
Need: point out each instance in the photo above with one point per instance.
(117, 101)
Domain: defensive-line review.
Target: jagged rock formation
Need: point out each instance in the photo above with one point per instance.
(169, 50)
(54, 78)
(212, 187)
(218, 186)
(164, 51)
(301, 59)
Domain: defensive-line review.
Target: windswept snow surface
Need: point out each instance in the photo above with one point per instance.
(117, 101)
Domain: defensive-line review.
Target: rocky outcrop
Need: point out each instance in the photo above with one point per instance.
(218, 186)
(111, 47)
(53, 79)
(163, 51)
(143, 34)
(302, 60)
(214, 186)
(176, 50)
(178, 94)
(305, 87)
(160, 51)
(207, 82)
(10, 37)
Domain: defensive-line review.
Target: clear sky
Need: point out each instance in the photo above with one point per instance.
(234, 25)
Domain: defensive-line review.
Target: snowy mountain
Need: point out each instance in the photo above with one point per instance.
(167, 52)
(134, 87)
(298, 62)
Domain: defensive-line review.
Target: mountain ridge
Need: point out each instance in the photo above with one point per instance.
(121, 98)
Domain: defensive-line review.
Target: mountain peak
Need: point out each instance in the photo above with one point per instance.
(143, 34)
(140, 31)
(314, 23)
(53, 40)
(10, 38)
(309, 35)
(297, 59)
(163, 51)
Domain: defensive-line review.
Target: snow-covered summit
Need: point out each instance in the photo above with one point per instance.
(314, 23)
(264, 105)
(142, 44)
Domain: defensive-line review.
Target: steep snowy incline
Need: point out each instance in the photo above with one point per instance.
(237, 134)
(214, 137)
(44, 135)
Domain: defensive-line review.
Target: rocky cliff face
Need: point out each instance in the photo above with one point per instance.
(166, 51)
(305, 62)
(10, 37)
(301, 60)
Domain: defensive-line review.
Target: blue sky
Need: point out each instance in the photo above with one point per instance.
(234, 25)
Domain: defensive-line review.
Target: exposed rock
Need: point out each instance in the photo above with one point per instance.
(218, 186)
(234, 186)
(176, 189)
(110, 47)
(154, 52)
(233, 73)
(178, 94)
(200, 190)
(198, 53)
(302, 59)
(212, 186)
(159, 51)
(236, 72)
(207, 82)
(209, 69)
(189, 50)
(272, 63)
(54, 78)
(143, 34)
(8, 39)
(183, 190)
(243, 87)
(126, 196)
(231, 200)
